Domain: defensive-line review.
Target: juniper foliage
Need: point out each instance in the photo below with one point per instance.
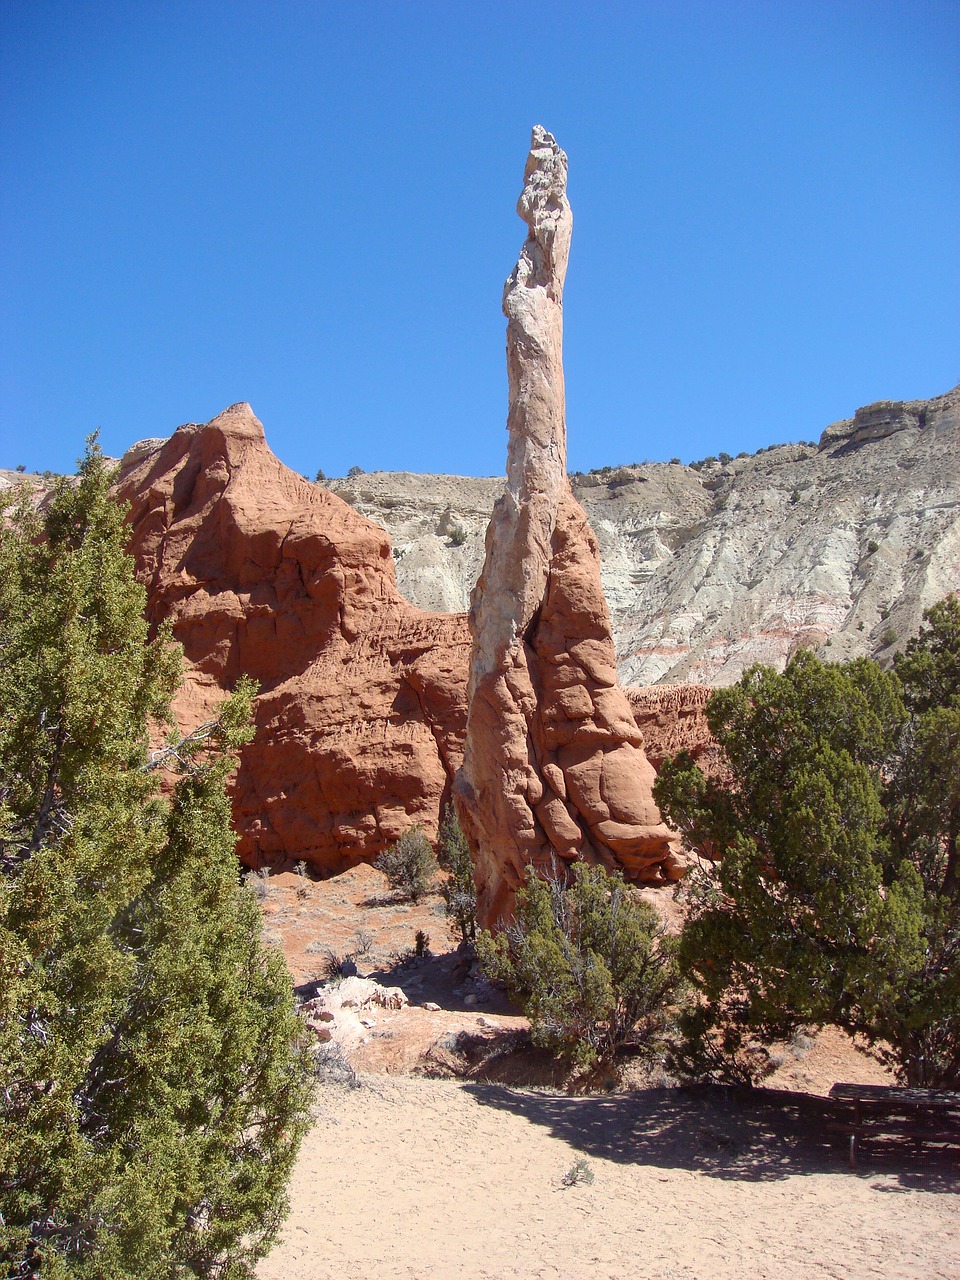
(589, 963)
(828, 891)
(153, 1082)
(410, 865)
(459, 890)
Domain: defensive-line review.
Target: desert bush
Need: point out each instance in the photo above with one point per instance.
(331, 1066)
(459, 891)
(410, 865)
(363, 942)
(256, 884)
(579, 1174)
(589, 963)
(335, 967)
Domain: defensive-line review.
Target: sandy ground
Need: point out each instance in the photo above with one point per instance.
(406, 1178)
(409, 1178)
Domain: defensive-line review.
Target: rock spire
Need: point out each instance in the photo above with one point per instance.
(554, 764)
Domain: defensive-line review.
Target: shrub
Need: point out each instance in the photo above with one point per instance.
(354, 472)
(363, 943)
(579, 1174)
(336, 967)
(458, 535)
(459, 891)
(588, 962)
(410, 865)
(257, 884)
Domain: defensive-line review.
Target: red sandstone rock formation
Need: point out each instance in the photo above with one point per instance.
(673, 718)
(361, 714)
(554, 762)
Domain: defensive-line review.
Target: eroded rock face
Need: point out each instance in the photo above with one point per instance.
(554, 762)
(361, 715)
(673, 718)
(707, 570)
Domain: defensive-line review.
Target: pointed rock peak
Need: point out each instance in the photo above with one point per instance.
(544, 207)
(239, 420)
(543, 201)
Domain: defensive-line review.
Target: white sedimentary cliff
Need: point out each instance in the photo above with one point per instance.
(838, 546)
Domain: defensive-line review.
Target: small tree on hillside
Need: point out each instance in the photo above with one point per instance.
(153, 1085)
(459, 890)
(410, 865)
(829, 886)
(588, 962)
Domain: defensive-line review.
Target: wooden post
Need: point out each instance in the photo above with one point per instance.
(853, 1136)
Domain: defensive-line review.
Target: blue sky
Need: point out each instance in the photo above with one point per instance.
(310, 206)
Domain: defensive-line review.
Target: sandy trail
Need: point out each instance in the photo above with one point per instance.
(409, 1178)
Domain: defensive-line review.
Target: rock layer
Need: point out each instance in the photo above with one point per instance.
(836, 547)
(554, 764)
(361, 714)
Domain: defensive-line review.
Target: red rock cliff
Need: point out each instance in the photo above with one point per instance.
(361, 714)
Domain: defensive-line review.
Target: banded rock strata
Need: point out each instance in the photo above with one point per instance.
(837, 546)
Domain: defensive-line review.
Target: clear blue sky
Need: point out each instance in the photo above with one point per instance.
(310, 206)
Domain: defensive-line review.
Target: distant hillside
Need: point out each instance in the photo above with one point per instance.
(838, 547)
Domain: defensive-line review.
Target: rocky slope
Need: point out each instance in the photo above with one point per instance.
(837, 546)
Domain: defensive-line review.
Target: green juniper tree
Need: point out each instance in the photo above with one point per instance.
(459, 890)
(153, 1083)
(828, 890)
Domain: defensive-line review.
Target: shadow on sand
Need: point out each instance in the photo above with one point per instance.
(759, 1135)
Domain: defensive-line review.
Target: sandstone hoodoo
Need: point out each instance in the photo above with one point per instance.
(554, 762)
(361, 714)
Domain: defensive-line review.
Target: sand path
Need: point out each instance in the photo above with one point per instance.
(408, 1178)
